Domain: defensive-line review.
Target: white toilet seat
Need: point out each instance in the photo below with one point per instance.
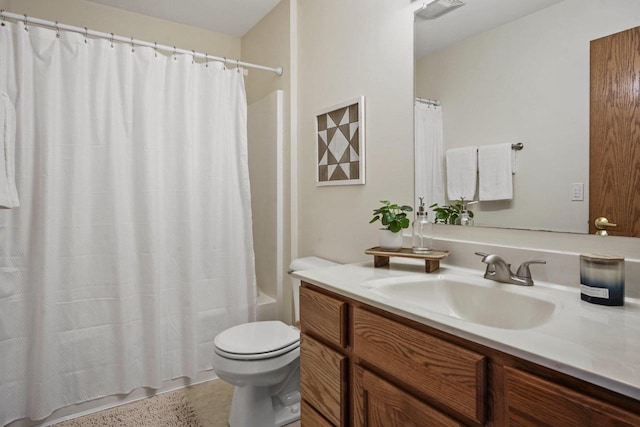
(257, 356)
(257, 340)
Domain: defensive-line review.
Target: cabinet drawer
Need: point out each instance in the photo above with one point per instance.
(378, 403)
(323, 316)
(533, 401)
(445, 372)
(323, 379)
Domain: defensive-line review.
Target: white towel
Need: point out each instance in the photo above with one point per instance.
(462, 167)
(495, 169)
(8, 191)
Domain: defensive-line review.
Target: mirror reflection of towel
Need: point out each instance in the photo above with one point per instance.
(8, 191)
(495, 169)
(462, 167)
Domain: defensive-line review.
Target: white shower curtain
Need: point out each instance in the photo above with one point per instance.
(132, 247)
(429, 157)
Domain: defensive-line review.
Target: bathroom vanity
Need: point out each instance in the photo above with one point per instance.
(374, 354)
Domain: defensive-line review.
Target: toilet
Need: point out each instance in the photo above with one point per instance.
(262, 361)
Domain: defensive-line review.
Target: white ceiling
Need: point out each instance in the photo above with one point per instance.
(232, 17)
(236, 17)
(475, 17)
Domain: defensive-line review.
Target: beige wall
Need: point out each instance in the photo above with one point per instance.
(345, 50)
(97, 17)
(269, 43)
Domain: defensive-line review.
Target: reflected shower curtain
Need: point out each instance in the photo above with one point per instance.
(429, 157)
(132, 247)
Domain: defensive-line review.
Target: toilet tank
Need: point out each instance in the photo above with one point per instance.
(299, 264)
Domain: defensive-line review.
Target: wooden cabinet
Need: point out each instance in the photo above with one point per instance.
(323, 362)
(533, 401)
(323, 379)
(378, 403)
(312, 418)
(324, 316)
(361, 366)
(439, 370)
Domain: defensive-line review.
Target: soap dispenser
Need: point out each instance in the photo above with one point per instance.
(422, 231)
(466, 216)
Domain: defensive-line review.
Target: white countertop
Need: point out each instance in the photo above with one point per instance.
(598, 344)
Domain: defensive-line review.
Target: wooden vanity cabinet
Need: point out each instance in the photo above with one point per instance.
(358, 368)
(442, 372)
(324, 316)
(378, 403)
(323, 360)
(364, 367)
(531, 400)
(312, 418)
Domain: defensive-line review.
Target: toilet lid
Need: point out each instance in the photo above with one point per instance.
(258, 338)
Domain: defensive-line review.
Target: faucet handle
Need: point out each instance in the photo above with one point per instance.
(490, 267)
(490, 259)
(524, 272)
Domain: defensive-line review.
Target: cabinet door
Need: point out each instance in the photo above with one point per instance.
(323, 379)
(311, 418)
(532, 401)
(445, 372)
(378, 403)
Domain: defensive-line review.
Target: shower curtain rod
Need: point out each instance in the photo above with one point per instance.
(428, 101)
(131, 41)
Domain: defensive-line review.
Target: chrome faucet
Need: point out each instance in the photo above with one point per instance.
(500, 271)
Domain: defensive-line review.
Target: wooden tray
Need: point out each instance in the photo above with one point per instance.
(431, 261)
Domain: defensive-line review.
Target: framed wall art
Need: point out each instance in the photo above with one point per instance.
(340, 133)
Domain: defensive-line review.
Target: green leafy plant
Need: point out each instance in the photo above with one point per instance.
(449, 214)
(392, 216)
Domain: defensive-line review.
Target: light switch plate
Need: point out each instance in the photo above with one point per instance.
(577, 191)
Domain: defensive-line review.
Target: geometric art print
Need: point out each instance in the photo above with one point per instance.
(340, 144)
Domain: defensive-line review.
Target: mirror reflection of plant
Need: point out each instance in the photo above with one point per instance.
(392, 216)
(449, 214)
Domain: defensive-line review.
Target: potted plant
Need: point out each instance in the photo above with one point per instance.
(450, 214)
(394, 218)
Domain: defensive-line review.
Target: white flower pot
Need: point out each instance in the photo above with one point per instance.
(390, 241)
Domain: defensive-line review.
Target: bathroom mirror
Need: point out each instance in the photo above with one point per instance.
(509, 72)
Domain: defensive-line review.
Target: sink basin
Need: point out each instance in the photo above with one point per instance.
(467, 298)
